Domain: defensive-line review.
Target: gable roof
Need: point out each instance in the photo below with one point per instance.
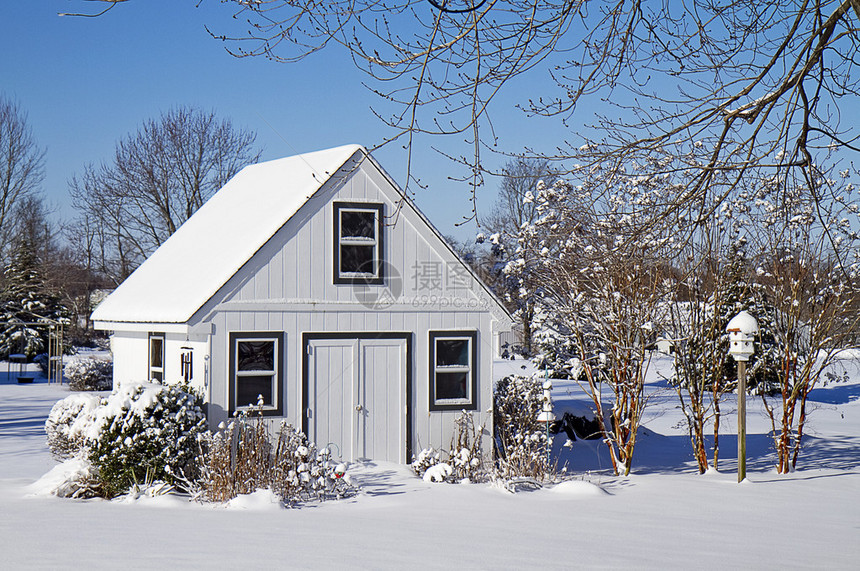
(213, 244)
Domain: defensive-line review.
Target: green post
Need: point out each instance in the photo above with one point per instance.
(742, 420)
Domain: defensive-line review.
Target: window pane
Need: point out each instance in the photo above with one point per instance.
(452, 352)
(451, 385)
(256, 356)
(357, 224)
(156, 350)
(156, 376)
(357, 259)
(250, 387)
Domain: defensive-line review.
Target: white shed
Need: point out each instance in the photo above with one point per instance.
(315, 282)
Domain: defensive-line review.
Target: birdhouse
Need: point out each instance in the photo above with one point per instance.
(546, 415)
(742, 330)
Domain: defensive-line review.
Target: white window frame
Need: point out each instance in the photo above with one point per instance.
(152, 370)
(375, 277)
(275, 407)
(470, 401)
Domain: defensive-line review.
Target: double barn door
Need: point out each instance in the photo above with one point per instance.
(356, 395)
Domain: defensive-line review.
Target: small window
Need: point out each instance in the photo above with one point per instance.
(256, 371)
(358, 243)
(156, 357)
(453, 377)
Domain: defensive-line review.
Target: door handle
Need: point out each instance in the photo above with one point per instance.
(358, 408)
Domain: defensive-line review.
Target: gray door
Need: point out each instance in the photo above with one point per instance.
(357, 396)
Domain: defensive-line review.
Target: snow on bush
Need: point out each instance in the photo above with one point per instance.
(242, 459)
(145, 432)
(465, 458)
(467, 455)
(67, 423)
(520, 438)
(74, 478)
(89, 374)
(425, 460)
(438, 472)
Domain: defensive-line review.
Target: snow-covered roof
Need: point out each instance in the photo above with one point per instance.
(211, 246)
(744, 323)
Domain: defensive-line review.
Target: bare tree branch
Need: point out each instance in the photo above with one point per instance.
(158, 178)
(111, 4)
(21, 166)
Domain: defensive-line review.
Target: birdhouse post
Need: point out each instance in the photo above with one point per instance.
(742, 330)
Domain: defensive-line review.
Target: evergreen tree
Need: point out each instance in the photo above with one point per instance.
(27, 299)
(745, 294)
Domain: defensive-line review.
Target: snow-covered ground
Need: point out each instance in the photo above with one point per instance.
(664, 516)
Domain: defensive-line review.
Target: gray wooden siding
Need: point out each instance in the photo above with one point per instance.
(429, 429)
(298, 263)
(288, 286)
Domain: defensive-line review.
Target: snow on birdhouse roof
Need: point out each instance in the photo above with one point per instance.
(744, 323)
(213, 244)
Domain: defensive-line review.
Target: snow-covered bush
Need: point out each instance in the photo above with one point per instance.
(428, 466)
(241, 459)
(237, 460)
(302, 472)
(440, 472)
(465, 458)
(67, 423)
(145, 432)
(467, 454)
(75, 478)
(520, 439)
(425, 460)
(89, 374)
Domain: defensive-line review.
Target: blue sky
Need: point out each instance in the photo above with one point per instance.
(87, 82)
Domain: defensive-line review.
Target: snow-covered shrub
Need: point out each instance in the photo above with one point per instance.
(440, 472)
(425, 460)
(464, 459)
(428, 466)
(466, 455)
(218, 473)
(145, 432)
(67, 423)
(520, 439)
(89, 374)
(149, 489)
(237, 459)
(74, 478)
(302, 472)
(241, 459)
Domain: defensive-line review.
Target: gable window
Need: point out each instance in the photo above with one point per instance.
(453, 370)
(256, 371)
(156, 357)
(358, 244)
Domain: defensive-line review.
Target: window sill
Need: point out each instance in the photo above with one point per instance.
(452, 405)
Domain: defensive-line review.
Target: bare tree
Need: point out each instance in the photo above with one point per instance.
(758, 84)
(158, 178)
(21, 167)
(519, 177)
